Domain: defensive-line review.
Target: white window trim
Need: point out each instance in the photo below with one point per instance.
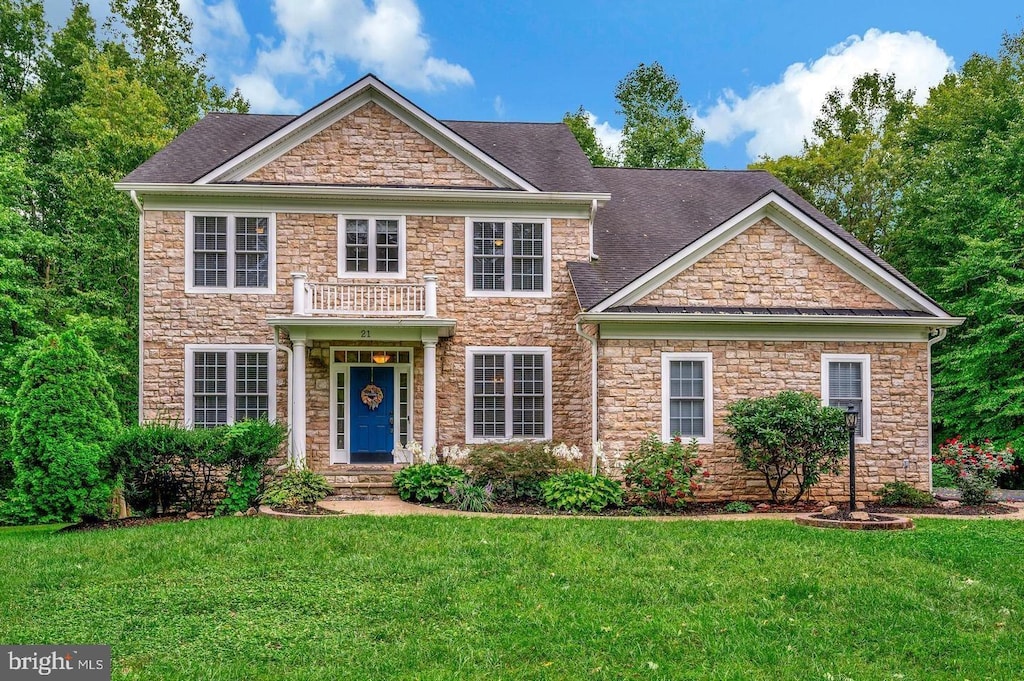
(865, 361)
(342, 456)
(230, 288)
(508, 351)
(508, 292)
(666, 393)
(372, 236)
(231, 349)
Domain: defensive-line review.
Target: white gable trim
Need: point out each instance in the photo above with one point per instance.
(802, 227)
(325, 114)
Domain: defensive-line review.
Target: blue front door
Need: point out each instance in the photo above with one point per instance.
(373, 424)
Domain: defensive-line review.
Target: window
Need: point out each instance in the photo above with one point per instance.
(846, 382)
(227, 384)
(371, 247)
(508, 393)
(686, 396)
(508, 257)
(229, 253)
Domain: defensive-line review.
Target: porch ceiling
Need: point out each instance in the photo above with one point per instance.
(364, 328)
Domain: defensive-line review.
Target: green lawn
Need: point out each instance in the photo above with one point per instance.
(462, 598)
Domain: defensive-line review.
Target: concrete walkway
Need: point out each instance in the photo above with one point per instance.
(391, 505)
(997, 494)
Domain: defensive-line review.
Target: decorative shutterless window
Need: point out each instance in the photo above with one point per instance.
(231, 253)
(686, 396)
(508, 257)
(227, 384)
(846, 382)
(371, 246)
(508, 393)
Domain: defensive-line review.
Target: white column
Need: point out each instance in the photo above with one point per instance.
(429, 395)
(430, 296)
(299, 293)
(298, 423)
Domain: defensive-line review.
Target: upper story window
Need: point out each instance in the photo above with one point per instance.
(686, 396)
(228, 383)
(508, 257)
(371, 246)
(845, 383)
(229, 253)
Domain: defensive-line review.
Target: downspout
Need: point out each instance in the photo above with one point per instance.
(932, 340)
(593, 214)
(142, 223)
(593, 394)
(288, 353)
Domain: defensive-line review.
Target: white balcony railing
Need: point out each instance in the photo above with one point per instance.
(365, 300)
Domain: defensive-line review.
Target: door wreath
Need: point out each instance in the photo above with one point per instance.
(372, 396)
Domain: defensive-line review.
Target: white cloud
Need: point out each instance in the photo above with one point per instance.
(386, 38)
(499, 106)
(263, 95)
(216, 27)
(781, 115)
(609, 137)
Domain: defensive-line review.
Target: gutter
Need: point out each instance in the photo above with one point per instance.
(142, 224)
(593, 394)
(288, 353)
(939, 335)
(670, 318)
(593, 216)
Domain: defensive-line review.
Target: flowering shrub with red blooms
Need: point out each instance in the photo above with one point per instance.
(664, 473)
(974, 467)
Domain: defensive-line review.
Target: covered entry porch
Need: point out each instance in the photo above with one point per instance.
(362, 372)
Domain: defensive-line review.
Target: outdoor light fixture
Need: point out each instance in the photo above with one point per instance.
(381, 358)
(851, 426)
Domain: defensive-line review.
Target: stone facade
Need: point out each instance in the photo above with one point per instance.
(765, 266)
(369, 147)
(630, 405)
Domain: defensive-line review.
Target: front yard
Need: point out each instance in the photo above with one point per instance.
(444, 598)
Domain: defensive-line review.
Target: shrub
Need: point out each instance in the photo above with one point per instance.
(1014, 478)
(738, 507)
(975, 468)
(246, 448)
(901, 494)
(64, 424)
(578, 491)
(296, 488)
(663, 473)
(941, 477)
(470, 497)
(517, 469)
(788, 434)
(427, 482)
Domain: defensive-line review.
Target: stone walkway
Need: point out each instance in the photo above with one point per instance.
(394, 506)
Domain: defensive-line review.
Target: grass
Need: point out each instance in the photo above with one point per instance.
(466, 598)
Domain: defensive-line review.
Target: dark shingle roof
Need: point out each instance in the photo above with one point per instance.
(544, 154)
(653, 214)
(210, 142)
(768, 311)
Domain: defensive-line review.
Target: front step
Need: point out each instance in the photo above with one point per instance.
(361, 480)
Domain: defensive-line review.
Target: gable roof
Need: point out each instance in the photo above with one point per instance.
(679, 207)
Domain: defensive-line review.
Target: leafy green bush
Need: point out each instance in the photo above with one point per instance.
(975, 468)
(167, 467)
(427, 482)
(1013, 478)
(941, 477)
(788, 434)
(901, 494)
(296, 488)
(469, 497)
(578, 491)
(663, 473)
(738, 507)
(515, 469)
(65, 421)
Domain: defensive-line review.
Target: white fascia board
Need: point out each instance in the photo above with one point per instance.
(711, 317)
(366, 89)
(802, 227)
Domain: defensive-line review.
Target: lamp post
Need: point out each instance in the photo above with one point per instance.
(851, 426)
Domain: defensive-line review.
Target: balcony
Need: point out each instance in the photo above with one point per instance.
(364, 300)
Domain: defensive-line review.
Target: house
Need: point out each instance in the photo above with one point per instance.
(374, 276)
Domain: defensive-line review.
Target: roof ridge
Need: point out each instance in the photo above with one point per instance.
(460, 120)
(687, 170)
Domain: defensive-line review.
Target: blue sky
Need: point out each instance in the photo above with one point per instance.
(755, 73)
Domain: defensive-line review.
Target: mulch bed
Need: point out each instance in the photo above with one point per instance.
(844, 514)
(304, 509)
(986, 509)
(90, 525)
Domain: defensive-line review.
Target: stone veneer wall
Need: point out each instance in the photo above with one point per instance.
(369, 147)
(308, 242)
(630, 405)
(765, 266)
